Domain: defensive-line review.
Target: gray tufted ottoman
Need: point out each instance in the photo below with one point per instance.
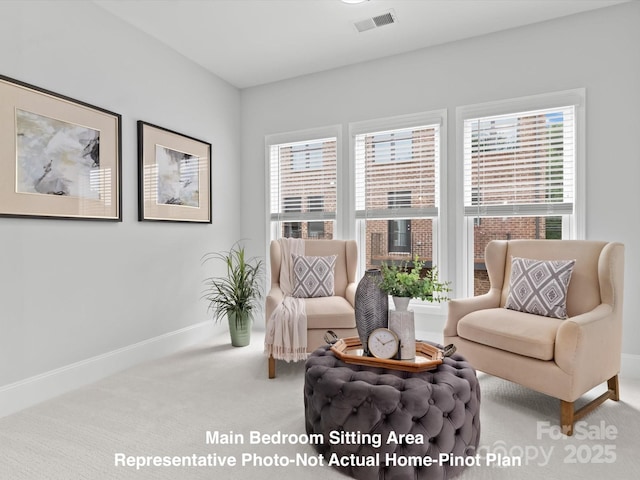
(375, 423)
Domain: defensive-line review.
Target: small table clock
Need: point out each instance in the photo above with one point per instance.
(383, 343)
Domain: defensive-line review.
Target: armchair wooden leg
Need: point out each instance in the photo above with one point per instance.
(614, 387)
(272, 367)
(568, 416)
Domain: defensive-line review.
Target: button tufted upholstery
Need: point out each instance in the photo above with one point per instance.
(440, 407)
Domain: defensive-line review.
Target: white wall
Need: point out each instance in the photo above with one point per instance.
(71, 291)
(597, 50)
(78, 297)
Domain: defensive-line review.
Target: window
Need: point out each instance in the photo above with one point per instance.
(397, 165)
(303, 188)
(292, 229)
(392, 147)
(399, 230)
(307, 156)
(519, 180)
(316, 229)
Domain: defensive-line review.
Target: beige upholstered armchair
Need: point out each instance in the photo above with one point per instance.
(323, 313)
(561, 357)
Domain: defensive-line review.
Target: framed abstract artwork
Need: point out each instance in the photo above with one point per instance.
(59, 157)
(174, 176)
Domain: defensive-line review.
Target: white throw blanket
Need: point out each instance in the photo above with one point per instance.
(286, 337)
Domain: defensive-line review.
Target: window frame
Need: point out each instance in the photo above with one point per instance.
(398, 199)
(439, 222)
(272, 229)
(464, 284)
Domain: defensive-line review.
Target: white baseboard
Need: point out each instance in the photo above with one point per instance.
(30, 391)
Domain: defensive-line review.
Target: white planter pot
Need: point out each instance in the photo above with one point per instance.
(401, 303)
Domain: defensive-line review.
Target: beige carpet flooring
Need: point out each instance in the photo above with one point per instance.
(166, 407)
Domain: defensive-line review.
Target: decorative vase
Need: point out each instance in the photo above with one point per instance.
(401, 303)
(240, 331)
(371, 306)
(403, 324)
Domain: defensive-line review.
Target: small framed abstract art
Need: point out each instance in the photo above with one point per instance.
(59, 157)
(174, 176)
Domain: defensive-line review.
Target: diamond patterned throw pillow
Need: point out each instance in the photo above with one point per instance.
(313, 276)
(539, 286)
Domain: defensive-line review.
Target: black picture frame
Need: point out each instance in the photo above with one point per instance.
(59, 157)
(174, 176)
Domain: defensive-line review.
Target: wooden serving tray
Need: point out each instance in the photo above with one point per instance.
(350, 350)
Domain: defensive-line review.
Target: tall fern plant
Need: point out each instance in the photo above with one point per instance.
(238, 293)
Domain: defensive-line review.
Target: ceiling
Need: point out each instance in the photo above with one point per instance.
(253, 42)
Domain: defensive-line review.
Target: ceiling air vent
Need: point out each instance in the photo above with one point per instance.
(378, 21)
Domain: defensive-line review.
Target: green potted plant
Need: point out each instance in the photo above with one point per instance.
(236, 294)
(405, 281)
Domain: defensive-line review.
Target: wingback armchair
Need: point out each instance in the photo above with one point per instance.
(323, 313)
(560, 357)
